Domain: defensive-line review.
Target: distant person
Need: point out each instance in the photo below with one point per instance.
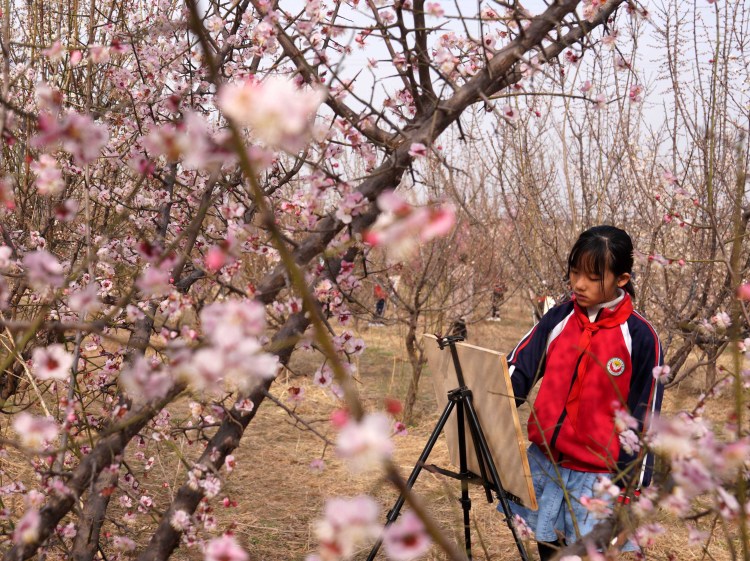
(498, 297)
(595, 357)
(380, 298)
(459, 328)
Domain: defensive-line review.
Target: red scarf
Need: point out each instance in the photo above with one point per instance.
(613, 318)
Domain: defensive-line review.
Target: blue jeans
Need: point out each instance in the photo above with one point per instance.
(556, 516)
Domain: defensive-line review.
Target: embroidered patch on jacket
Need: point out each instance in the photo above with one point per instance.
(616, 366)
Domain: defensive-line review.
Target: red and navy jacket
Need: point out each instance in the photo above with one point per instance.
(618, 374)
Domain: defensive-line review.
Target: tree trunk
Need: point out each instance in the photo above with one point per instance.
(417, 361)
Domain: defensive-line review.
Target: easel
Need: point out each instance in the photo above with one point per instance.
(460, 399)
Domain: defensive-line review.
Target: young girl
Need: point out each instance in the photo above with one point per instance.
(595, 356)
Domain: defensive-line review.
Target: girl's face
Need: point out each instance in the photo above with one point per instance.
(591, 289)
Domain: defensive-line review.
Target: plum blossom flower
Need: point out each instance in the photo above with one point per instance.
(27, 529)
(721, 320)
(661, 373)
(743, 292)
(180, 520)
(79, 135)
(43, 269)
(317, 465)
(35, 432)
(85, 300)
(49, 179)
(366, 444)
(599, 508)
(510, 113)
(225, 548)
(235, 357)
(323, 376)
(434, 9)
(524, 530)
(351, 205)
(417, 150)
(646, 535)
(401, 227)
(406, 538)
(636, 93)
(277, 111)
(142, 382)
(123, 543)
(346, 525)
(629, 441)
(52, 362)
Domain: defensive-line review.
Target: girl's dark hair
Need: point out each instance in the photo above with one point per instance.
(603, 248)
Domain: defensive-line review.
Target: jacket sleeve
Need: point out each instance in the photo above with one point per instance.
(526, 362)
(644, 399)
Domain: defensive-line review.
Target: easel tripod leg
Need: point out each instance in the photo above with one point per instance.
(394, 512)
(481, 443)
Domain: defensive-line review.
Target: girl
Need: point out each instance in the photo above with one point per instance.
(595, 356)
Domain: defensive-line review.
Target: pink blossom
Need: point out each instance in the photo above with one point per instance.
(66, 212)
(123, 543)
(49, 180)
(180, 520)
(154, 281)
(52, 362)
(404, 228)
(225, 548)
(366, 444)
(399, 429)
(215, 259)
(524, 530)
(600, 508)
(661, 373)
(75, 58)
(278, 112)
(743, 292)
(629, 441)
(434, 9)
(586, 86)
(417, 150)
(43, 269)
(77, 133)
(351, 205)
(323, 376)
(721, 320)
(406, 538)
(295, 394)
(346, 526)
(27, 529)
(85, 300)
(510, 113)
(696, 536)
(317, 465)
(35, 432)
(726, 504)
(636, 92)
(142, 382)
(646, 535)
(54, 52)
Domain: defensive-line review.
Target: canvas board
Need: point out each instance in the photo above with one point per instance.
(486, 374)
